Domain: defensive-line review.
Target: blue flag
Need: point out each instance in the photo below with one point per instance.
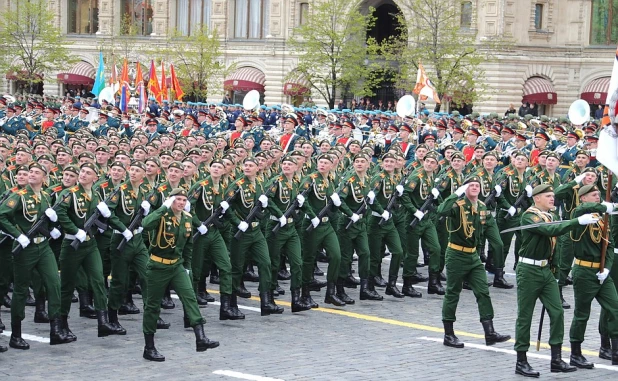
(99, 79)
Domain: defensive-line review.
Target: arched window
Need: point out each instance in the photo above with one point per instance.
(192, 15)
(83, 17)
(251, 18)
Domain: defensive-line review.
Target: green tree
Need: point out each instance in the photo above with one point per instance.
(333, 53)
(31, 46)
(438, 34)
(198, 62)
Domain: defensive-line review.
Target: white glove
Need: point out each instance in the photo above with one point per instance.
(23, 240)
(301, 200)
(101, 230)
(399, 189)
(140, 230)
(371, 196)
(264, 200)
(419, 215)
(587, 219)
(461, 190)
(315, 222)
(243, 226)
(146, 206)
(580, 178)
(435, 192)
(386, 215)
(105, 212)
(188, 271)
(224, 206)
(168, 203)
(529, 190)
(355, 217)
(55, 233)
(80, 235)
(609, 206)
(601, 276)
(127, 235)
(511, 211)
(188, 207)
(336, 199)
(51, 214)
(283, 221)
(202, 229)
(498, 189)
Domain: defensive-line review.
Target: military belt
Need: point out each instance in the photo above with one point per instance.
(534, 262)
(462, 248)
(163, 260)
(255, 224)
(72, 237)
(289, 220)
(135, 232)
(38, 240)
(593, 265)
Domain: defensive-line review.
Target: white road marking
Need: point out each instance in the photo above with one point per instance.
(28, 337)
(244, 376)
(174, 296)
(513, 353)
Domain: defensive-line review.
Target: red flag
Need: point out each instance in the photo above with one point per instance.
(153, 82)
(139, 77)
(124, 74)
(175, 84)
(139, 86)
(163, 83)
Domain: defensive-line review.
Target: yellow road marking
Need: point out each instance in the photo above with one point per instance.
(420, 327)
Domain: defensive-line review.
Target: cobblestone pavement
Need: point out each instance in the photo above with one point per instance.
(396, 339)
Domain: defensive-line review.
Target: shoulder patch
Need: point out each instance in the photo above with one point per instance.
(461, 202)
(162, 188)
(11, 203)
(74, 189)
(114, 198)
(536, 218)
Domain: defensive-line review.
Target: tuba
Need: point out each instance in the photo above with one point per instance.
(251, 101)
(579, 112)
(406, 106)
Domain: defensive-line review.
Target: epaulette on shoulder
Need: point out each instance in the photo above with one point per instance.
(204, 182)
(314, 176)
(55, 169)
(162, 188)
(481, 203)
(481, 173)
(104, 185)
(74, 189)
(187, 214)
(450, 174)
(45, 192)
(22, 192)
(240, 182)
(351, 179)
(11, 167)
(461, 202)
(57, 188)
(382, 175)
(14, 189)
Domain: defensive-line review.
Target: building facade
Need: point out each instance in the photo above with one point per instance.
(563, 49)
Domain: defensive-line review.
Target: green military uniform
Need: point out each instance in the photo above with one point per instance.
(512, 186)
(447, 183)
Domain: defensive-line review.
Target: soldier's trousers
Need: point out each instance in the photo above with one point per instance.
(534, 282)
(400, 218)
(104, 244)
(383, 235)
(565, 259)
(158, 278)
(251, 245)
(442, 237)
(586, 287)
(613, 276)
(426, 231)
(6, 266)
(354, 239)
(210, 248)
(285, 241)
(465, 267)
(86, 255)
(499, 259)
(41, 258)
(322, 237)
(134, 257)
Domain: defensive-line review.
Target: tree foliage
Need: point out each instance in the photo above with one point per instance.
(334, 54)
(31, 46)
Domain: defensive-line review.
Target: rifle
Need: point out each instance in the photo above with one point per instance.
(94, 219)
(326, 209)
(520, 200)
(255, 212)
(361, 209)
(392, 199)
(38, 226)
(5, 195)
(292, 208)
(136, 221)
(214, 217)
(426, 205)
(491, 198)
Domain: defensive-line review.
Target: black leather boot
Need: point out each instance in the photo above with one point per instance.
(267, 304)
(56, 336)
(565, 305)
(128, 307)
(242, 291)
(614, 351)
(16, 340)
(161, 324)
(465, 285)
(226, 312)
(568, 281)
(482, 255)
(577, 359)
(331, 297)
(499, 281)
(391, 288)
(434, 287)
(6, 301)
(418, 278)
(150, 352)
(3, 348)
(40, 315)
(317, 271)
(214, 275)
(201, 341)
(341, 292)
(366, 291)
(605, 351)
(378, 281)
(279, 290)
(557, 365)
(234, 307)
(316, 285)
(104, 327)
(283, 273)
(2, 326)
(66, 330)
(408, 289)
(522, 367)
(450, 340)
(166, 302)
(250, 275)
(491, 336)
(306, 297)
(297, 304)
(201, 294)
(113, 320)
(350, 280)
(30, 302)
(86, 309)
